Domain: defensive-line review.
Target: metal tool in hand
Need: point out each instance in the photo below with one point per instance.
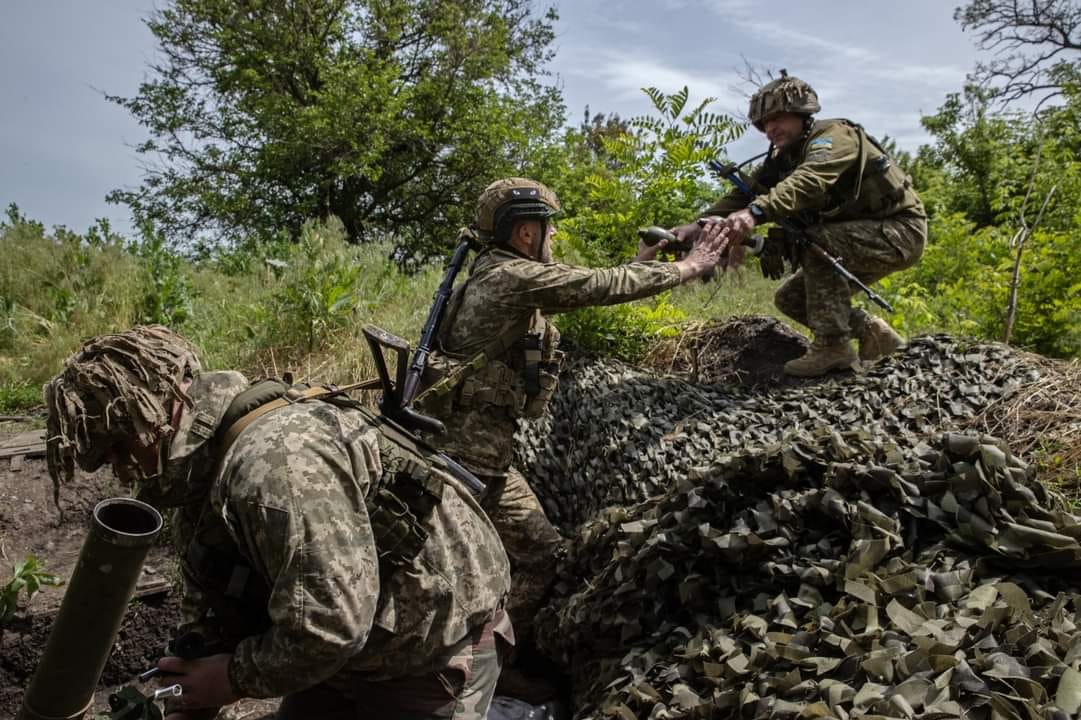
(130, 704)
(730, 172)
(654, 234)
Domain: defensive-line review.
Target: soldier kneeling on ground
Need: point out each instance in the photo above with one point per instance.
(327, 556)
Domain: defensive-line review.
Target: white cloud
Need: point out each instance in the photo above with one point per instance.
(623, 75)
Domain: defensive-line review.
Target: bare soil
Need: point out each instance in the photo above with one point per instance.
(30, 524)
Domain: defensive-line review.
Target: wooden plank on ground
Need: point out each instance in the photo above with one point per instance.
(27, 444)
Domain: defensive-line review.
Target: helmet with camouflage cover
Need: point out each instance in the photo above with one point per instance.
(509, 200)
(785, 94)
(114, 400)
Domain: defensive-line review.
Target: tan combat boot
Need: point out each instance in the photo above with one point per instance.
(822, 358)
(878, 340)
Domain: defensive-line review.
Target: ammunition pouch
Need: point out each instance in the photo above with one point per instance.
(407, 494)
(476, 384)
(884, 186)
(491, 378)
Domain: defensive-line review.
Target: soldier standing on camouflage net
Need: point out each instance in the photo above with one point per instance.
(497, 360)
(286, 568)
(833, 179)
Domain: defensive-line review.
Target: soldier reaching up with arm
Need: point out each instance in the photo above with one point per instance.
(497, 357)
(835, 181)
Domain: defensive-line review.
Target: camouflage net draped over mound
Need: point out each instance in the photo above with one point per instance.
(616, 435)
(823, 552)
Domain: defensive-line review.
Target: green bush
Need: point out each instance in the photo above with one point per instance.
(624, 331)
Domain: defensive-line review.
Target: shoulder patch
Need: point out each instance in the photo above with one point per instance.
(822, 143)
(818, 155)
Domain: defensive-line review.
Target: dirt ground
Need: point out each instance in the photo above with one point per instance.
(31, 525)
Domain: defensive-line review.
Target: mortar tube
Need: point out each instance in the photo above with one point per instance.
(101, 586)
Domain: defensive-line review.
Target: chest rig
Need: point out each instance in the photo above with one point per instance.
(516, 372)
(399, 503)
(873, 187)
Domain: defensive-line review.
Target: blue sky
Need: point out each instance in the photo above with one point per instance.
(881, 63)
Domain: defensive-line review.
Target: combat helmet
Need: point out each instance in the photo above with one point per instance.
(115, 393)
(785, 94)
(509, 200)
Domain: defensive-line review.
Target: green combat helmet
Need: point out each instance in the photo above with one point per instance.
(785, 94)
(509, 200)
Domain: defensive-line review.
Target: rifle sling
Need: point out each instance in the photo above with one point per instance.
(311, 393)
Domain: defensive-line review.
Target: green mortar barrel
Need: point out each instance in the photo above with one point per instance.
(101, 586)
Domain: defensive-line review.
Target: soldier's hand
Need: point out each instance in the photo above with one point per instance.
(707, 252)
(688, 233)
(648, 252)
(740, 224)
(204, 681)
(772, 258)
(733, 258)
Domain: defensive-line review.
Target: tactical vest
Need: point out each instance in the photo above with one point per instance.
(516, 373)
(399, 504)
(874, 187)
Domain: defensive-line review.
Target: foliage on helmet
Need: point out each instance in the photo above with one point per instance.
(785, 94)
(510, 200)
(117, 389)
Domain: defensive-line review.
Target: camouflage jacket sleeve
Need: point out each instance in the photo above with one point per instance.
(827, 154)
(555, 287)
(295, 504)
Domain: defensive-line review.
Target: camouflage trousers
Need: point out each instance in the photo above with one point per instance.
(461, 690)
(818, 297)
(532, 543)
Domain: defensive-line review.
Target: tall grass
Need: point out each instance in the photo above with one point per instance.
(287, 307)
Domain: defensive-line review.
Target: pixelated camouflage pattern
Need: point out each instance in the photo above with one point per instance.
(816, 178)
(460, 689)
(818, 297)
(292, 495)
(532, 543)
(503, 290)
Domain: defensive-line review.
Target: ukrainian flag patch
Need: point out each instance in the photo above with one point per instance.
(822, 143)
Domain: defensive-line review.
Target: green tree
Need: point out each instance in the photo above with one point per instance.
(618, 176)
(389, 114)
(1003, 190)
(649, 170)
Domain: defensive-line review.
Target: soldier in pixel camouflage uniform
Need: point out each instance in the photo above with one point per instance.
(497, 358)
(293, 568)
(835, 180)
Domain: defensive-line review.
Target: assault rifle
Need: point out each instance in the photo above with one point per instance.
(399, 393)
(731, 172)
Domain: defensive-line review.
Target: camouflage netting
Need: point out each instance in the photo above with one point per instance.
(825, 551)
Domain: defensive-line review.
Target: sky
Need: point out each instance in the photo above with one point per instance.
(882, 63)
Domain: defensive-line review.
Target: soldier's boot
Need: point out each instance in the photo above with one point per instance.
(878, 340)
(822, 358)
